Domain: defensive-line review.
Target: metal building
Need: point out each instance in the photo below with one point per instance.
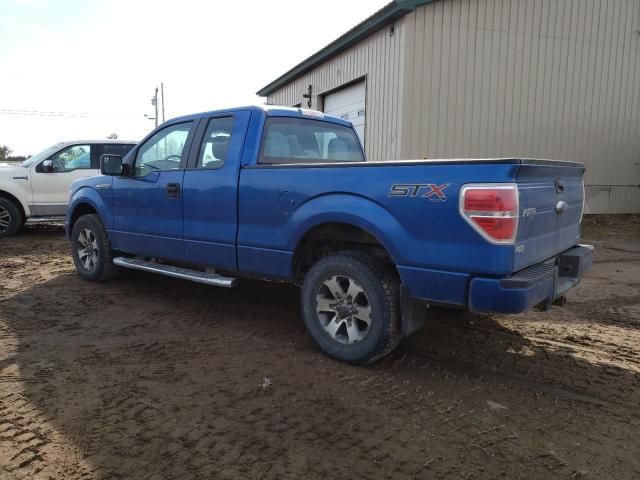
(555, 79)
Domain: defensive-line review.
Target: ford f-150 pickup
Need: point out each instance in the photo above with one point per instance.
(286, 194)
(37, 190)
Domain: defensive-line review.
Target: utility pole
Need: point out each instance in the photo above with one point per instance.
(162, 95)
(154, 102)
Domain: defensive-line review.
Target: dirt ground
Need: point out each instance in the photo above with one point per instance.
(149, 377)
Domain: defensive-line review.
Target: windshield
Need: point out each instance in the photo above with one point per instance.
(42, 155)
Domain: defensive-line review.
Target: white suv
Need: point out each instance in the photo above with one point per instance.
(37, 190)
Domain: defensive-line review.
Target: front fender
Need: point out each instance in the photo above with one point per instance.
(89, 196)
(11, 190)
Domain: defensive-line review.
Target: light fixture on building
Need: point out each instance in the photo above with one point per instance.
(308, 96)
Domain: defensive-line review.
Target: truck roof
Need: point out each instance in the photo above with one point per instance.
(270, 111)
(92, 142)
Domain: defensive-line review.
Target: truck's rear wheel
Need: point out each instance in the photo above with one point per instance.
(10, 218)
(350, 305)
(91, 250)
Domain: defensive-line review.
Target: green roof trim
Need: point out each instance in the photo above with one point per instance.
(384, 16)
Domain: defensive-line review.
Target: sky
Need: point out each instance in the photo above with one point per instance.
(83, 69)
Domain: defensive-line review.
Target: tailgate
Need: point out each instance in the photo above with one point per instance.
(551, 198)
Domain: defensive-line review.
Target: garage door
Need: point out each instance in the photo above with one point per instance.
(348, 103)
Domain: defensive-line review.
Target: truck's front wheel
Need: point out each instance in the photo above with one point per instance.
(10, 218)
(350, 305)
(91, 250)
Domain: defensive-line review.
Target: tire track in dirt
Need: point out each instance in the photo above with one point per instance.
(522, 353)
(20, 437)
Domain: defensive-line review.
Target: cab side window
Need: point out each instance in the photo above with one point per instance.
(72, 158)
(163, 151)
(215, 144)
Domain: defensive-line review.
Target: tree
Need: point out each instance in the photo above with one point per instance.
(112, 136)
(5, 151)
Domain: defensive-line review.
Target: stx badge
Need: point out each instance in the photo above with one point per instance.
(432, 191)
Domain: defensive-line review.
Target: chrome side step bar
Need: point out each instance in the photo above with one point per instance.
(177, 272)
(35, 220)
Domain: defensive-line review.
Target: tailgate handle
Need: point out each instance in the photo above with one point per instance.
(559, 186)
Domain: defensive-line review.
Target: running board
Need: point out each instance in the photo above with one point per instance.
(177, 272)
(35, 220)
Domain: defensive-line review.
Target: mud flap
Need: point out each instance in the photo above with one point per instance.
(412, 314)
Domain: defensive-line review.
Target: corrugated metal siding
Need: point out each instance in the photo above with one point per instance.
(491, 78)
(536, 78)
(378, 59)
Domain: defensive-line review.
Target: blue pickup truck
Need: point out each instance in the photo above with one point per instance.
(286, 194)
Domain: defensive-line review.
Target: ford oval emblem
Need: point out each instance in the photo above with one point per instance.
(561, 207)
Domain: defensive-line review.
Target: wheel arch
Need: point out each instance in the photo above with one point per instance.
(14, 199)
(87, 200)
(345, 221)
(324, 238)
(79, 209)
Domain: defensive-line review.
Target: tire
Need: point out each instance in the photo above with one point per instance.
(339, 328)
(11, 218)
(91, 250)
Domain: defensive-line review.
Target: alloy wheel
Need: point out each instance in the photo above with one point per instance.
(87, 247)
(5, 219)
(343, 309)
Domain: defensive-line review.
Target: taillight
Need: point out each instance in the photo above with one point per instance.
(492, 210)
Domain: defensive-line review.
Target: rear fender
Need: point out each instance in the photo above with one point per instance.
(418, 283)
(349, 209)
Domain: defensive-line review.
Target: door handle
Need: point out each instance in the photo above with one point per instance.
(173, 190)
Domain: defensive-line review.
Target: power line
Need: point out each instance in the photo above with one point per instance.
(40, 113)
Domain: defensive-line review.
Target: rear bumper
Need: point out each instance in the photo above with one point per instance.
(538, 285)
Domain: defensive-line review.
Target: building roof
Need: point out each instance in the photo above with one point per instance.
(384, 16)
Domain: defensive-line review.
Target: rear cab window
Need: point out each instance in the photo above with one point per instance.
(121, 149)
(288, 140)
(116, 148)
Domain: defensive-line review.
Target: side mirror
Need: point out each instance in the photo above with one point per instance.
(47, 166)
(111, 165)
